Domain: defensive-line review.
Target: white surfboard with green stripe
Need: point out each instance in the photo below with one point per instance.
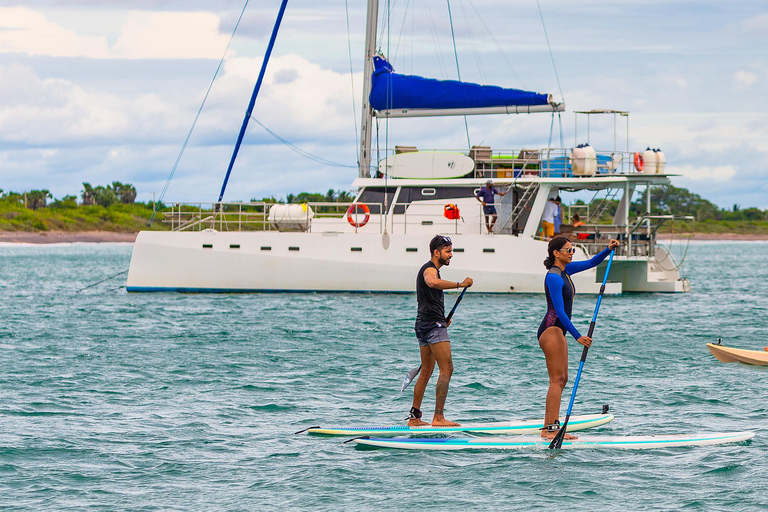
(528, 442)
(520, 427)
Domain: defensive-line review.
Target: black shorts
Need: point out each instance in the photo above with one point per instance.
(489, 209)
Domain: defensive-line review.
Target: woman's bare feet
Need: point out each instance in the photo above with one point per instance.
(416, 422)
(551, 435)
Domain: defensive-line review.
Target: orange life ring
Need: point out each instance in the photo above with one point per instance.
(353, 209)
(638, 161)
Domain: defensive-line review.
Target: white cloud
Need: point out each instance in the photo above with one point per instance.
(744, 79)
(170, 35)
(721, 173)
(24, 30)
(756, 24)
(143, 35)
(35, 111)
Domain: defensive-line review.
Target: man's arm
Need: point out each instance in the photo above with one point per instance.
(430, 277)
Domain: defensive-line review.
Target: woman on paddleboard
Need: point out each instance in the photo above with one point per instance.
(560, 290)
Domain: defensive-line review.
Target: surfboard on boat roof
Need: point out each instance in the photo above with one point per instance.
(519, 427)
(738, 355)
(531, 442)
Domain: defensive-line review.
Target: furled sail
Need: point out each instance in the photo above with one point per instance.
(396, 95)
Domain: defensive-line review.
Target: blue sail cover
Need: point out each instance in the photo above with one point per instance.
(390, 90)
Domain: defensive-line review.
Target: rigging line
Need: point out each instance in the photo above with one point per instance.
(433, 33)
(551, 129)
(498, 46)
(402, 29)
(302, 152)
(199, 111)
(551, 55)
(458, 72)
(352, 79)
(105, 279)
(473, 43)
(386, 121)
(385, 19)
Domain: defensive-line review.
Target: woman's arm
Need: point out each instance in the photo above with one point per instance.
(580, 266)
(555, 286)
(575, 267)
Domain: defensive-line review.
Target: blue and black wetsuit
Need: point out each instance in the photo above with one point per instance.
(560, 291)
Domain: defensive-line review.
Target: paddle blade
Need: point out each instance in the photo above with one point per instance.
(557, 442)
(408, 378)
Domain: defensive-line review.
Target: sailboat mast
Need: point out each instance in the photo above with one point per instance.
(366, 124)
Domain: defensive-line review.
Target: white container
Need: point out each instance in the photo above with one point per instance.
(584, 161)
(661, 162)
(290, 217)
(649, 161)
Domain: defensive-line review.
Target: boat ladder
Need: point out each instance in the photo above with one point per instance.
(529, 192)
(604, 203)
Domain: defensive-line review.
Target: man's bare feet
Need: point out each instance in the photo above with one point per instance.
(551, 435)
(416, 422)
(442, 422)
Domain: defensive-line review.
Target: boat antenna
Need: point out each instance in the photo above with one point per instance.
(184, 146)
(458, 72)
(253, 97)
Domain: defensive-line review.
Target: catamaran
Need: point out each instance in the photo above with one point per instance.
(403, 200)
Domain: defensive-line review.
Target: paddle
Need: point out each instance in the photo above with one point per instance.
(557, 442)
(413, 373)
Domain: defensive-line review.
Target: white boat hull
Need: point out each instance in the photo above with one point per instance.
(211, 261)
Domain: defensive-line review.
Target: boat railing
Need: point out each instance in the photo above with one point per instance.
(255, 216)
(540, 162)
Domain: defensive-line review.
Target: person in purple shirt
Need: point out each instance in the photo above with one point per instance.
(485, 196)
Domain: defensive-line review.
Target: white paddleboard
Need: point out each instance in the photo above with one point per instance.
(575, 423)
(500, 443)
(427, 165)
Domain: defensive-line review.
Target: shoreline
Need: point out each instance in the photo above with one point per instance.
(64, 237)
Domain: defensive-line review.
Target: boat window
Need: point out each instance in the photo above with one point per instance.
(428, 192)
(374, 195)
(408, 195)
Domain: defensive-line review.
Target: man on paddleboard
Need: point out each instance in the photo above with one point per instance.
(432, 330)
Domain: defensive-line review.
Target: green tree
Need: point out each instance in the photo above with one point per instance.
(104, 196)
(87, 195)
(65, 202)
(37, 199)
(126, 193)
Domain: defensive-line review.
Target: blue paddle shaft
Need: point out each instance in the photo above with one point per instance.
(558, 440)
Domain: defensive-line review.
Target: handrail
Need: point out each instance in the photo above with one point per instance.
(662, 218)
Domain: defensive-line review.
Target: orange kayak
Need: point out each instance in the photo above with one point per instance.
(738, 355)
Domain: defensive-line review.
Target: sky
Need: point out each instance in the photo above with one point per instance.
(101, 91)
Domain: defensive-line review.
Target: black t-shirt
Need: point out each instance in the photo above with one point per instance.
(431, 304)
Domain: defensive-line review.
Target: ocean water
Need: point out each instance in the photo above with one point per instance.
(115, 401)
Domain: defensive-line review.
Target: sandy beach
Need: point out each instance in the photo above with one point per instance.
(59, 237)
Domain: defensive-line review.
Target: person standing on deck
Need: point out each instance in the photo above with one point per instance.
(486, 197)
(558, 215)
(432, 330)
(548, 219)
(560, 290)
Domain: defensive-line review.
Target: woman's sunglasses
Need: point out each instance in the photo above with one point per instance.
(569, 250)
